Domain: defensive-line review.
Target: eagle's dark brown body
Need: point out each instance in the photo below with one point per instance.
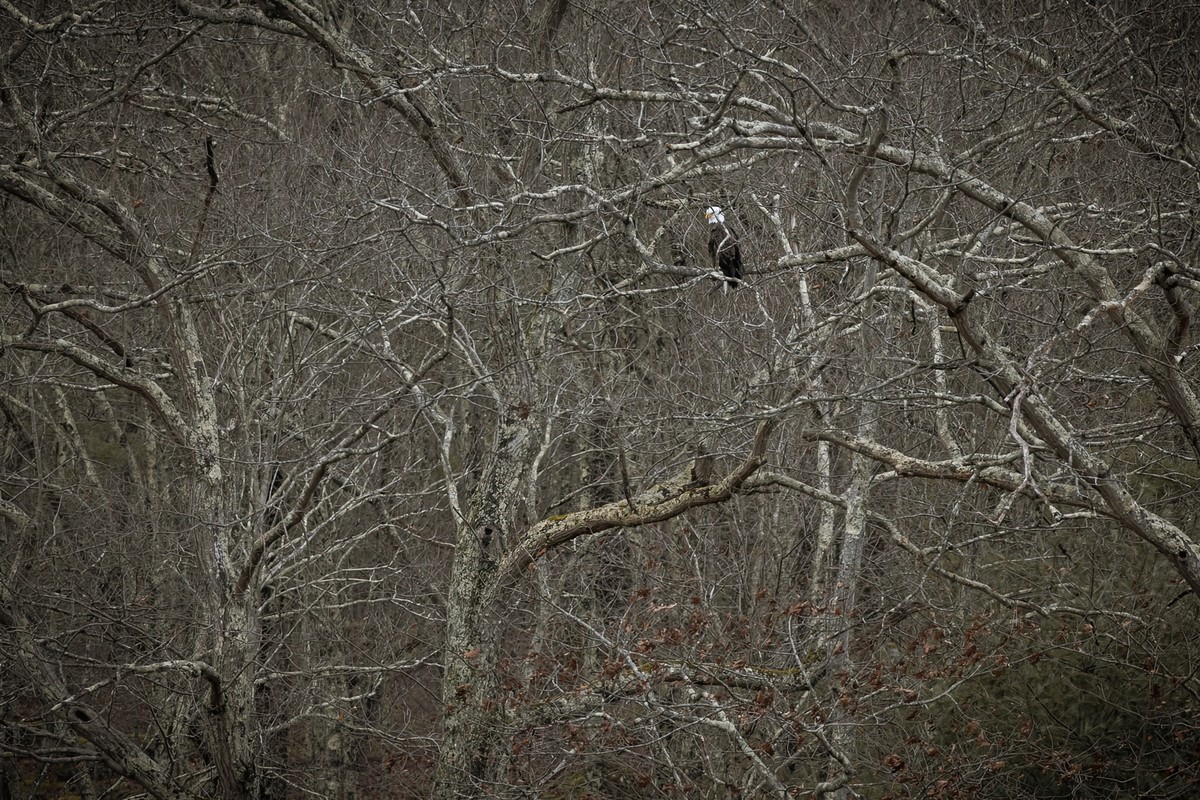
(725, 253)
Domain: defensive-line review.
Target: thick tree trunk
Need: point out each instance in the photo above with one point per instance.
(229, 712)
(468, 679)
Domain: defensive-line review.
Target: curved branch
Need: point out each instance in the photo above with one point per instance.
(349, 56)
(123, 376)
(660, 502)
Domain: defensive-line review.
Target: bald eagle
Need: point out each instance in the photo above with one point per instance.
(723, 248)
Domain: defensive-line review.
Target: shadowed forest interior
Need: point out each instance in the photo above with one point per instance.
(378, 421)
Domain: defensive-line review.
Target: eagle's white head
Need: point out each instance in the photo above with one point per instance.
(714, 216)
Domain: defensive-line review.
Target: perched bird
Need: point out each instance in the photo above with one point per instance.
(723, 248)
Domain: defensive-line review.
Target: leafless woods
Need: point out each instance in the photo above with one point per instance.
(373, 423)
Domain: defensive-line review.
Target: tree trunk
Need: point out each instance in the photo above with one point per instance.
(469, 653)
(229, 713)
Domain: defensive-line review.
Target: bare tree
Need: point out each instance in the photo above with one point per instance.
(375, 423)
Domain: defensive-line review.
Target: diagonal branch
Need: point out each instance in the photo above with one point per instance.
(122, 753)
(660, 502)
(119, 374)
(999, 369)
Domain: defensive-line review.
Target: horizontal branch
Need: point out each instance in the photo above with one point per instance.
(633, 681)
(961, 470)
